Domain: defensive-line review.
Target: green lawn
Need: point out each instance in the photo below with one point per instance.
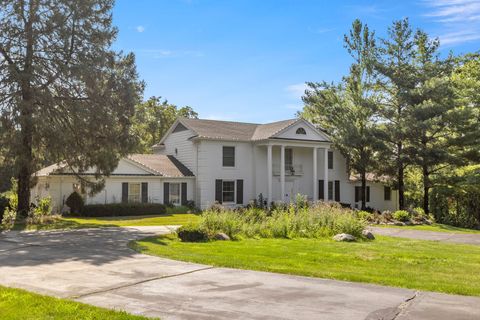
(415, 264)
(434, 227)
(77, 223)
(20, 304)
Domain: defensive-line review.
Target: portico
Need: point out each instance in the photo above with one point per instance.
(296, 161)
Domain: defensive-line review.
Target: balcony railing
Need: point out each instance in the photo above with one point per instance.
(290, 170)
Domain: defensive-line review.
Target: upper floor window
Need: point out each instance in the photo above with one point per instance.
(330, 159)
(301, 131)
(229, 156)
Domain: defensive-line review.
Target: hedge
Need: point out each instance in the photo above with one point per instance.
(122, 209)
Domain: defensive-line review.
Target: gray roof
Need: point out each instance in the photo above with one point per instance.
(163, 165)
(236, 131)
(160, 165)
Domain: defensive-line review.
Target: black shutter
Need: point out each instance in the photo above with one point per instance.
(144, 192)
(321, 191)
(218, 190)
(239, 191)
(184, 193)
(166, 193)
(357, 193)
(368, 194)
(337, 190)
(124, 192)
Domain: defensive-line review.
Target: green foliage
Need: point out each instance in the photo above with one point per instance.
(364, 215)
(122, 209)
(192, 233)
(317, 221)
(41, 212)
(401, 215)
(77, 93)
(75, 202)
(153, 118)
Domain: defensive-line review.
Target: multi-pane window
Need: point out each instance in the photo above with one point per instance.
(134, 192)
(228, 156)
(330, 190)
(358, 194)
(330, 159)
(174, 193)
(387, 193)
(288, 159)
(228, 191)
(300, 131)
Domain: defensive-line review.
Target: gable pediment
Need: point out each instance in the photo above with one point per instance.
(302, 130)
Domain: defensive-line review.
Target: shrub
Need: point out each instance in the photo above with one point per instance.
(3, 205)
(75, 202)
(401, 215)
(419, 212)
(8, 219)
(122, 209)
(364, 215)
(41, 211)
(192, 233)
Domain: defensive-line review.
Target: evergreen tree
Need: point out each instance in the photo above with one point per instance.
(65, 93)
(396, 71)
(347, 110)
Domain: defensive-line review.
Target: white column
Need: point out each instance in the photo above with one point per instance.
(315, 179)
(325, 176)
(282, 172)
(269, 173)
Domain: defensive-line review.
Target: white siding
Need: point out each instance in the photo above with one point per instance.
(311, 134)
(185, 148)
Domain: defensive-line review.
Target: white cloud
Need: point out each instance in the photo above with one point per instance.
(460, 19)
(296, 90)
(140, 29)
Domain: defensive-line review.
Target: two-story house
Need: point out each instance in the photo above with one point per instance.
(208, 161)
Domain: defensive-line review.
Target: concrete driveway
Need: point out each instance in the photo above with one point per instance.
(452, 237)
(96, 267)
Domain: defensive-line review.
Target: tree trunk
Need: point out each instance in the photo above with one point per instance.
(401, 182)
(426, 189)
(364, 189)
(25, 157)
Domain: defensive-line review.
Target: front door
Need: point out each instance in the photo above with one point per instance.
(289, 191)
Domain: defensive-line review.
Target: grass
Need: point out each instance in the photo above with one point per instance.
(20, 304)
(79, 223)
(415, 264)
(433, 227)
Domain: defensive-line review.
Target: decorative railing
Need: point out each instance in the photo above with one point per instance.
(290, 170)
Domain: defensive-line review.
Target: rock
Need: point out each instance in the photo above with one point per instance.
(221, 236)
(408, 223)
(367, 234)
(399, 223)
(344, 237)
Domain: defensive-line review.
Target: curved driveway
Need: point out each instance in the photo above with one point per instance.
(465, 238)
(96, 267)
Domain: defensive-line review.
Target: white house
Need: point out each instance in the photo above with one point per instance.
(230, 162)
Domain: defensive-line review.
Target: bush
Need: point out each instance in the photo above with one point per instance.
(75, 202)
(8, 219)
(401, 215)
(364, 215)
(122, 209)
(192, 233)
(3, 205)
(41, 211)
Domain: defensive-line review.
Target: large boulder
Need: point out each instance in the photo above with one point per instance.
(222, 236)
(367, 234)
(344, 237)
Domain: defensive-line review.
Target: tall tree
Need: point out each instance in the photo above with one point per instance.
(347, 110)
(153, 118)
(396, 70)
(433, 119)
(67, 95)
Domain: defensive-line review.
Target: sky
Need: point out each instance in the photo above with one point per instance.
(248, 60)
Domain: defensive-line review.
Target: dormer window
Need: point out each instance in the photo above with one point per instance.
(301, 131)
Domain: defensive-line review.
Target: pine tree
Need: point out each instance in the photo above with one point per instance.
(347, 110)
(67, 95)
(396, 70)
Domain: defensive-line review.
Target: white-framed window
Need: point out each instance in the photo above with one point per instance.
(330, 159)
(228, 191)
(134, 192)
(174, 194)
(301, 131)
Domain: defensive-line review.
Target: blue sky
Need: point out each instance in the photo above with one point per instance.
(248, 60)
